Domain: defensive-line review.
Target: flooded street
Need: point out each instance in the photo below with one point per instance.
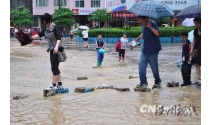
(30, 73)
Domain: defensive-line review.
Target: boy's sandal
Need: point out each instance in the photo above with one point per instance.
(199, 80)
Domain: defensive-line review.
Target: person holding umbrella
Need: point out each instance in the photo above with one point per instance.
(150, 50)
(150, 34)
(85, 38)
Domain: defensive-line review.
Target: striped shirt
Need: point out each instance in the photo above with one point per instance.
(51, 35)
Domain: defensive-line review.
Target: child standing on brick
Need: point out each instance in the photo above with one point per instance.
(186, 58)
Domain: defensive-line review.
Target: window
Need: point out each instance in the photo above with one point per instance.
(42, 3)
(79, 3)
(95, 3)
(62, 2)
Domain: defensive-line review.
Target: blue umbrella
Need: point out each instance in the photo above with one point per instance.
(151, 9)
(120, 8)
(190, 12)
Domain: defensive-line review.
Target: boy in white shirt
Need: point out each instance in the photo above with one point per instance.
(85, 38)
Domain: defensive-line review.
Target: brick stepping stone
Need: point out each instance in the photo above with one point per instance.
(122, 89)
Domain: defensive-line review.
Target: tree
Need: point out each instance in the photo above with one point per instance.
(100, 15)
(63, 17)
(20, 17)
(167, 19)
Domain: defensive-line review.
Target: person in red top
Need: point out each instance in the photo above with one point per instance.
(186, 58)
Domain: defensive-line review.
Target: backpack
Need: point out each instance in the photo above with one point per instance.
(118, 46)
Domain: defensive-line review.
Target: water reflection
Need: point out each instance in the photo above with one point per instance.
(56, 115)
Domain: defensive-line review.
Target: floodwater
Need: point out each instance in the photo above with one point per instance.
(30, 73)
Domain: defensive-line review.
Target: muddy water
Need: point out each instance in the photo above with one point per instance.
(30, 73)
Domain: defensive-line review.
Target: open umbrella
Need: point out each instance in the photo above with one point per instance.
(188, 22)
(120, 8)
(83, 27)
(191, 35)
(152, 9)
(190, 12)
(23, 38)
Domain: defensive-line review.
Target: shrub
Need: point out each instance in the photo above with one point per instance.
(136, 31)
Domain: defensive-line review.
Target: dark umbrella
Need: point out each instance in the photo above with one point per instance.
(23, 38)
(190, 12)
(151, 9)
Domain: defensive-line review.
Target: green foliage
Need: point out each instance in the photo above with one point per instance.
(63, 17)
(100, 15)
(165, 19)
(136, 31)
(20, 17)
(126, 27)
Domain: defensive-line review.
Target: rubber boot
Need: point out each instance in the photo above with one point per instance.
(184, 77)
(188, 79)
(184, 80)
(98, 63)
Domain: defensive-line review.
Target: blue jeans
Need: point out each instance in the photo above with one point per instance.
(99, 58)
(152, 59)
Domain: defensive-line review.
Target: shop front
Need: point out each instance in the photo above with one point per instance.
(82, 15)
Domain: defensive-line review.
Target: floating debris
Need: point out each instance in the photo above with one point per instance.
(82, 78)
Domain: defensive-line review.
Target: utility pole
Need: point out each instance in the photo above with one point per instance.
(59, 4)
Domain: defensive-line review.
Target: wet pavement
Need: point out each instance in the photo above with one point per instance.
(30, 73)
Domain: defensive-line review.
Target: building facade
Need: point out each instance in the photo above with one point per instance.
(14, 4)
(118, 8)
(82, 8)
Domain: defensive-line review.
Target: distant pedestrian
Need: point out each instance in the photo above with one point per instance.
(100, 45)
(64, 32)
(71, 34)
(15, 30)
(11, 32)
(186, 59)
(124, 42)
(85, 38)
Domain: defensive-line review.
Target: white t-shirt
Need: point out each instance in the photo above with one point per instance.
(124, 42)
(16, 30)
(85, 33)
